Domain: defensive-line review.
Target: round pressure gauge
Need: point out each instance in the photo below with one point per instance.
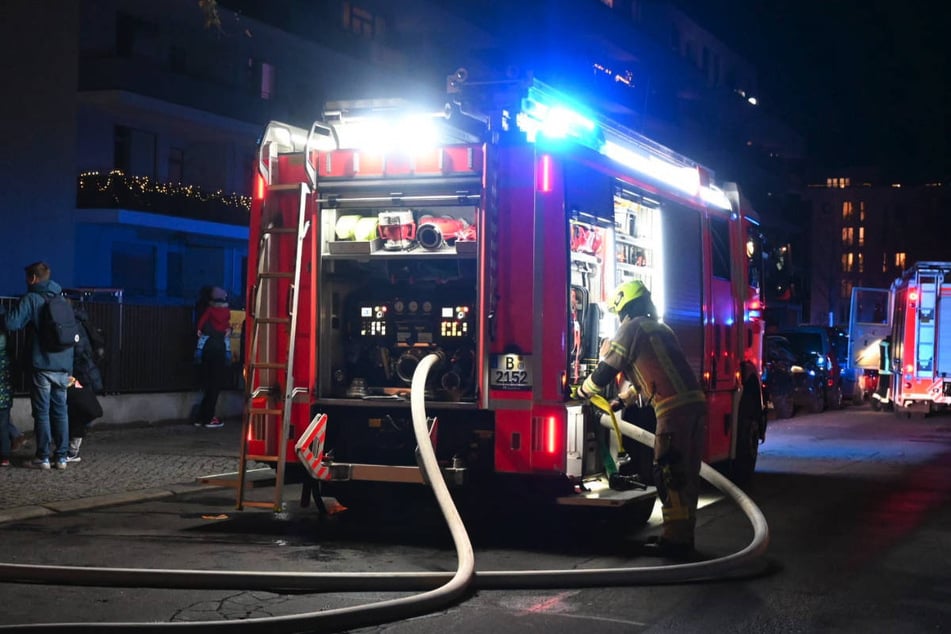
(413, 306)
(398, 305)
(427, 307)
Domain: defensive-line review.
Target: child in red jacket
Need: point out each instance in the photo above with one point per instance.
(215, 320)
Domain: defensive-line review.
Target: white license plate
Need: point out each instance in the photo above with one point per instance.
(510, 372)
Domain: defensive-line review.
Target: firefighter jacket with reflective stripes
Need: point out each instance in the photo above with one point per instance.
(650, 356)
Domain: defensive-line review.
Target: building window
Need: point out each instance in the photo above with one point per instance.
(861, 236)
(846, 211)
(900, 259)
(845, 289)
(848, 262)
(133, 268)
(861, 211)
(861, 262)
(175, 275)
(176, 165)
(134, 151)
(136, 37)
(267, 80)
(847, 236)
(360, 21)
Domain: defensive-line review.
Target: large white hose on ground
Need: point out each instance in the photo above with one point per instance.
(443, 588)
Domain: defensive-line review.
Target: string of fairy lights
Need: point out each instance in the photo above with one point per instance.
(116, 183)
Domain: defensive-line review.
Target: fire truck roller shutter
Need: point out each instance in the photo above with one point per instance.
(683, 283)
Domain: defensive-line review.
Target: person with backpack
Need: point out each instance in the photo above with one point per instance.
(54, 335)
(82, 404)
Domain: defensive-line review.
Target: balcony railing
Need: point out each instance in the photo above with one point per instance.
(115, 190)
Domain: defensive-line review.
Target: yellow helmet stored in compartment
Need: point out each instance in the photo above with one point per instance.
(627, 293)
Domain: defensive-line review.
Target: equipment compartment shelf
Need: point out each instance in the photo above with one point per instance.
(448, 251)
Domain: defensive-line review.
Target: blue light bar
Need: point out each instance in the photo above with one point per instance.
(547, 115)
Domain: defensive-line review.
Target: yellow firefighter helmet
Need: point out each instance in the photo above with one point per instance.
(627, 293)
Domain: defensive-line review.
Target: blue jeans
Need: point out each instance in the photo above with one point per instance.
(48, 399)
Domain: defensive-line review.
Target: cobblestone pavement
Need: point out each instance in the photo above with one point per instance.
(121, 463)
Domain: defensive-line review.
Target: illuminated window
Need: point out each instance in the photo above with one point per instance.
(848, 236)
(861, 236)
(861, 211)
(884, 263)
(848, 262)
(900, 259)
(360, 21)
(846, 210)
(861, 263)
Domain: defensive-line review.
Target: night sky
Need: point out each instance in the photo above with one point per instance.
(866, 83)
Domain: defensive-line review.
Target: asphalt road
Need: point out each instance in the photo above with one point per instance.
(856, 501)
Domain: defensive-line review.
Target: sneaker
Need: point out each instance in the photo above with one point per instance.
(39, 463)
(4, 463)
(214, 423)
(60, 464)
(73, 457)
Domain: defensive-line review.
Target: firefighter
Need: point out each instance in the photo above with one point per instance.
(650, 356)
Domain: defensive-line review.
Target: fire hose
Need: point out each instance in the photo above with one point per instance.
(439, 590)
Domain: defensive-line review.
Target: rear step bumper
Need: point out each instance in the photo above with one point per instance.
(348, 471)
(597, 493)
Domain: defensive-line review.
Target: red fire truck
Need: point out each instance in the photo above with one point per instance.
(491, 232)
(921, 339)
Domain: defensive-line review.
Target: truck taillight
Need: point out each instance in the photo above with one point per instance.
(259, 187)
(545, 434)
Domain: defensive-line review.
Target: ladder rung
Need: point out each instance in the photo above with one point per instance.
(261, 505)
(283, 187)
(265, 411)
(269, 366)
(276, 275)
(274, 230)
(272, 320)
(262, 458)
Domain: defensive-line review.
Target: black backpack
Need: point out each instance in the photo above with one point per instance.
(59, 329)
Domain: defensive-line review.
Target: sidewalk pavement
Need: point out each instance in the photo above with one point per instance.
(120, 464)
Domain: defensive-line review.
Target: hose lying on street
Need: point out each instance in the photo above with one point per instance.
(439, 590)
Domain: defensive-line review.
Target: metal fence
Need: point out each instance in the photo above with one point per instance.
(148, 348)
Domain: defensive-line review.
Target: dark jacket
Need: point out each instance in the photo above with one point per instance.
(27, 313)
(86, 353)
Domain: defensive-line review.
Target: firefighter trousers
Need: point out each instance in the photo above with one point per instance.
(678, 449)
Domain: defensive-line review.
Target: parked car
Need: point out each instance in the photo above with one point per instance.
(828, 350)
(777, 378)
(793, 378)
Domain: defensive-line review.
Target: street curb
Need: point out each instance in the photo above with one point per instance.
(21, 513)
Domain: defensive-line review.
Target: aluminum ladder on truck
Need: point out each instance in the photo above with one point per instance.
(270, 389)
